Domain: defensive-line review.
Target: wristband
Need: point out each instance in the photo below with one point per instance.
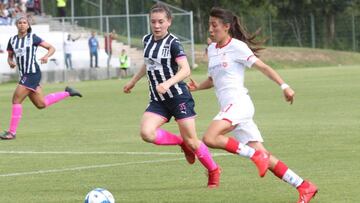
(284, 86)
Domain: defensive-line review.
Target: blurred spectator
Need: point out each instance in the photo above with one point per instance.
(4, 15)
(61, 5)
(93, 47)
(124, 63)
(108, 45)
(34, 6)
(68, 48)
(22, 5)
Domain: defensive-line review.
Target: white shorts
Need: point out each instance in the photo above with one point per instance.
(240, 113)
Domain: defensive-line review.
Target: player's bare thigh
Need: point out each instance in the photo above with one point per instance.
(149, 123)
(37, 98)
(214, 135)
(20, 93)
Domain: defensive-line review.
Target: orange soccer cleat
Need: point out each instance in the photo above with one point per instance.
(189, 154)
(307, 191)
(261, 159)
(214, 178)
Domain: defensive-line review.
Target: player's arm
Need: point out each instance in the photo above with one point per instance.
(273, 75)
(51, 51)
(183, 72)
(131, 84)
(10, 59)
(206, 84)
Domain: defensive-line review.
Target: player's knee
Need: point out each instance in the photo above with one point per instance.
(40, 105)
(192, 143)
(209, 141)
(147, 135)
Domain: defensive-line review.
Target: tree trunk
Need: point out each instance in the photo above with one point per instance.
(330, 30)
(200, 33)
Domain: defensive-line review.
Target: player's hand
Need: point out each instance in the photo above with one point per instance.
(289, 95)
(127, 88)
(12, 64)
(192, 85)
(162, 88)
(44, 59)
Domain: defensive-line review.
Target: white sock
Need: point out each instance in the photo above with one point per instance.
(292, 178)
(245, 151)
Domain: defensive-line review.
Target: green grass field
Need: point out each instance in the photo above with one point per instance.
(63, 152)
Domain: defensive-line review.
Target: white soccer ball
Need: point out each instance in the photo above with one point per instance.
(99, 195)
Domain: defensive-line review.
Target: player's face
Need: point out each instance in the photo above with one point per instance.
(22, 25)
(159, 24)
(218, 30)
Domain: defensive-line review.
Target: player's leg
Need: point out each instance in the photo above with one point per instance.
(215, 137)
(306, 189)
(41, 102)
(188, 133)
(151, 132)
(20, 93)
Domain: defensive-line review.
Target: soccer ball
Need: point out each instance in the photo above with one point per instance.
(99, 195)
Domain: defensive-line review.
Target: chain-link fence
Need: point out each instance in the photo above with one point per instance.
(341, 33)
(130, 28)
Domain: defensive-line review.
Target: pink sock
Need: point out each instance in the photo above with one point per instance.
(55, 97)
(15, 117)
(205, 158)
(164, 137)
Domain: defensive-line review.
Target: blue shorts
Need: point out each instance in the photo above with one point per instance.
(181, 107)
(30, 81)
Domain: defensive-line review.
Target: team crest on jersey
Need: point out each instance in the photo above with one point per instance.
(165, 51)
(224, 63)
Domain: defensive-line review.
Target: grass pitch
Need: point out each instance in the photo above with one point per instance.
(63, 152)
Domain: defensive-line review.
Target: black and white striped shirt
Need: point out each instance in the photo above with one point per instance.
(24, 50)
(160, 56)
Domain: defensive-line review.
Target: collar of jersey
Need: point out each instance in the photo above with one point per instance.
(219, 47)
(161, 38)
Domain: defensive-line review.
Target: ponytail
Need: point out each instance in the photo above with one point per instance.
(237, 29)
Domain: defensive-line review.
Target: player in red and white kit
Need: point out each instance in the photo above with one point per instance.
(231, 53)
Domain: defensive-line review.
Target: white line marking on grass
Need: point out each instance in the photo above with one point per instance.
(94, 167)
(85, 167)
(109, 153)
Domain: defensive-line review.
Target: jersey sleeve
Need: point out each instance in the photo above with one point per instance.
(9, 47)
(37, 40)
(176, 49)
(245, 55)
(145, 39)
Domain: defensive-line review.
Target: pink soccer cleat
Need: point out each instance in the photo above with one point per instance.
(214, 178)
(307, 191)
(189, 154)
(261, 159)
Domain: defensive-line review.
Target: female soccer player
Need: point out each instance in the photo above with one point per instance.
(23, 48)
(166, 66)
(232, 51)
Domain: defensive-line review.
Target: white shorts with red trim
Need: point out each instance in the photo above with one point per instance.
(240, 114)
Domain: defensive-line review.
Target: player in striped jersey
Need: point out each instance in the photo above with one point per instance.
(235, 50)
(22, 47)
(166, 67)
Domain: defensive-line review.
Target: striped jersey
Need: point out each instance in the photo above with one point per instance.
(24, 50)
(159, 58)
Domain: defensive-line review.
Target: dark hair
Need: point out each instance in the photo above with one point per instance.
(159, 7)
(237, 29)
